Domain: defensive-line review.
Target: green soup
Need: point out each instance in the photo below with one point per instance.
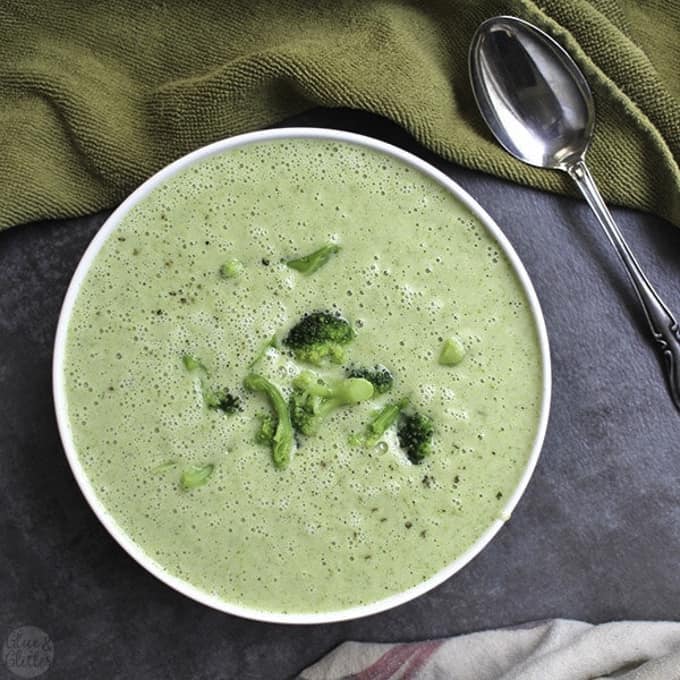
(342, 525)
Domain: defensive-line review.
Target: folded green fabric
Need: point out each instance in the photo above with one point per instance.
(96, 96)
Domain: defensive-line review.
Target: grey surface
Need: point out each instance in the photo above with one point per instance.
(596, 537)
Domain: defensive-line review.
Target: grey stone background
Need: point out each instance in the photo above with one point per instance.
(596, 536)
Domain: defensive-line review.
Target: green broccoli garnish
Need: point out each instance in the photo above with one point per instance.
(415, 436)
(265, 433)
(314, 261)
(313, 399)
(452, 352)
(194, 365)
(223, 400)
(272, 342)
(216, 399)
(282, 439)
(196, 475)
(381, 421)
(378, 376)
(318, 337)
(164, 467)
(231, 269)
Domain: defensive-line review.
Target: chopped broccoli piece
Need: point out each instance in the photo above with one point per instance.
(381, 421)
(378, 376)
(272, 342)
(314, 261)
(265, 433)
(194, 365)
(318, 337)
(282, 439)
(219, 400)
(231, 269)
(164, 467)
(196, 475)
(313, 399)
(223, 400)
(415, 436)
(452, 352)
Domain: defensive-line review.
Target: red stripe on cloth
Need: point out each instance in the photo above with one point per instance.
(388, 664)
(420, 658)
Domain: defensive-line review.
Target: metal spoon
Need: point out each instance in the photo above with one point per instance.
(539, 107)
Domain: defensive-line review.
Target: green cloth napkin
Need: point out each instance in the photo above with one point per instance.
(96, 96)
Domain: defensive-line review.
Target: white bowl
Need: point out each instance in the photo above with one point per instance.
(60, 401)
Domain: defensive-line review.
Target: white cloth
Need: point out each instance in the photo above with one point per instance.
(548, 650)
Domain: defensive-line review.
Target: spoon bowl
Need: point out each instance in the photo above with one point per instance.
(532, 95)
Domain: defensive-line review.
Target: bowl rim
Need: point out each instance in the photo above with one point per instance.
(60, 400)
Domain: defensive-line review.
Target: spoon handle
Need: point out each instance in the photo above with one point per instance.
(663, 325)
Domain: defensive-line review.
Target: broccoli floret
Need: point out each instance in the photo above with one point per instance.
(313, 399)
(314, 261)
(216, 399)
(265, 433)
(378, 376)
(381, 421)
(223, 400)
(282, 439)
(318, 337)
(415, 436)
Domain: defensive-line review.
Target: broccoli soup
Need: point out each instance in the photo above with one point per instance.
(302, 377)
